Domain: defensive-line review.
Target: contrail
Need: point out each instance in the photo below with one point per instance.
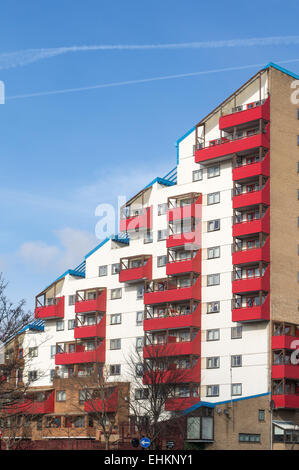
(144, 80)
(20, 58)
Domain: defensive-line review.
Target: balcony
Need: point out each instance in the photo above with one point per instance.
(184, 207)
(289, 371)
(261, 283)
(97, 405)
(251, 198)
(81, 356)
(285, 342)
(134, 269)
(184, 265)
(286, 401)
(98, 330)
(141, 220)
(172, 320)
(173, 375)
(254, 313)
(253, 226)
(227, 147)
(253, 255)
(91, 300)
(186, 238)
(173, 348)
(48, 312)
(29, 406)
(180, 403)
(253, 169)
(168, 290)
(246, 113)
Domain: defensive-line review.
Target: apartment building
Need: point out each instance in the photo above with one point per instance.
(204, 272)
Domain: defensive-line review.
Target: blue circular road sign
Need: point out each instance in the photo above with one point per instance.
(145, 442)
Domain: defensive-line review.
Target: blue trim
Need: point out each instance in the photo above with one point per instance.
(281, 69)
(120, 238)
(180, 140)
(97, 247)
(160, 181)
(212, 405)
(37, 325)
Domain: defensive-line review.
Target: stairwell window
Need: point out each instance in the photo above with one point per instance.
(116, 293)
(213, 198)
(213, 280)
(72, 299)
(162, 234)
(213, 171)
(214, 252)
(60, 325)
(33, 352)
(115, 268)
(115, 369)
(148, 237)
(236, 389)
(139, 343)
(53, 350)
(139, 318)
(115, 344)
(213, 307)
(236, 332)
(115, 319)
(60, 395)
(197, 175)
(140, 293)
(215, 225)
(161, 261)
(212, 390)
(213, 335)
(236, 361)
(213, 362)
(103, 270)
(162, 208)
(71, 324)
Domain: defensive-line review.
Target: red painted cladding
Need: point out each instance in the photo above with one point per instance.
(255, 226)
(109, 405)
(136, 274)
(174, 295)
(180, 403)
(255, 169)
(252, 313)
(173, 349)
(252, 284)
(172, 322)
(181, 239)
(286, 401)
(91, 331)
(186, 212)
(81, 357)
(289, 371)
(95, 305)
(253, 198)
(32, 407)
(185, 266)
(248, 115)
(143, 221)
(253, 255)
(51, 311)
(285, 342)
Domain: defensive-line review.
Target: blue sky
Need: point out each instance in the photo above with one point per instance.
(63, 154)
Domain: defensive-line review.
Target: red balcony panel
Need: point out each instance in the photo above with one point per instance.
(289, 371)
(91, 331)
(51, 311)
(183, 348)
(185, 266)
(181, 403)
(261, 313)
(252, 284)
(255, 169)
(82, 357)
(174, 295)
(176, 321)
(181, 239)
(137, 274)
(285, 342)
(247, 115)
(95, 305)
(255, 226)
(253, 198)
(109, 405)
(253, 255)
(286, 401)
(31, 407)
(174, 375)
(142, 221)
(233, 146)
(186, 212)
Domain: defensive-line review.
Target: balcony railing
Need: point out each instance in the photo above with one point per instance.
(81, 355)
(173, 347)
(91, 300)
(246, 255)
(135, 268)
(290, 401)
(259, 281)
(30, 406)
(289, 371)
(106, 405)
(170, 317)
(250, 167)
(246, 113)
(140, 220)
(256, 225)
(184, 207)
(285, 336)
(180, 403)
(252, 197)
(174, 374)
(97, 329)
(191, 262)
(55, 310)
(172, 290)
(252, 310)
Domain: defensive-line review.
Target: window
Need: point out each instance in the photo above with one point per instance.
(212, 390)
(79, 421)
(33, 352)
(60, 395)
(139, 343)
(52, 374)
(115, 343)
(103, 270)
(213, 279)
(141, 393)
(72, 299)
(162, 208)
(236, 389)
(297, 139)
(215, 225)
(161, 261)
(139, 318)
(249, 437)
(196, 175)
(261, 415)
(116, 293)
(236, 332)
(71, 324)
(115, 369)
(53, 350)
(213, 171)
(115, 319)
(236, 361)
(84, 395)
(213, 335)
(298, 113)
(32, 375)
(213, 307)
(140, 292)
(214, 252)
(148, 237)
(162, 234)
(298, 194)
(60, 325)
(213, 362)
(139, 370)
(115, 268)
(213, 198)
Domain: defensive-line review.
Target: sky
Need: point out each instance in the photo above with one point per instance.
(96, 95)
